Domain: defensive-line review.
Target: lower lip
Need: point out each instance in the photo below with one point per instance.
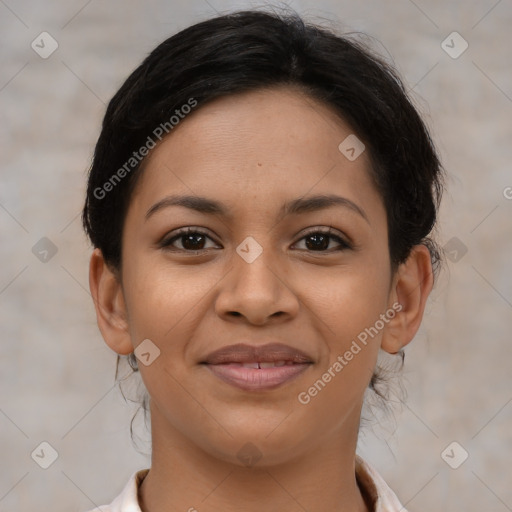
(256, 379)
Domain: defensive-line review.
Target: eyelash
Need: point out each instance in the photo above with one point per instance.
(167, 243)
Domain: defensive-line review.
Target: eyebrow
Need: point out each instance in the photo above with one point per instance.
(294, 207)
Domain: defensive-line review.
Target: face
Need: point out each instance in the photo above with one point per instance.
(260, 269)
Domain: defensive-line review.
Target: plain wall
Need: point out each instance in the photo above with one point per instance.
(57, 374)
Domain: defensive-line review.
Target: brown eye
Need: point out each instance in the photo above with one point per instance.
(319, 241)
(191, 240)
(194, 240)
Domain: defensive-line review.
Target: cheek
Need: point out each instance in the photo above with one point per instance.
(347, 305)
(348, 315)
(165, 307)
(348, 299)
(162, 300)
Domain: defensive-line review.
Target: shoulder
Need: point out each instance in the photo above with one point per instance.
(127, 501)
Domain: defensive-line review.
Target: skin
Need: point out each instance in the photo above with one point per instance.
(253, 152)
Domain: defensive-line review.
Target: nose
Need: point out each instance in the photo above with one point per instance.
(256, 292)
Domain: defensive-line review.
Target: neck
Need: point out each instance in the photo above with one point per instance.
(185, 477)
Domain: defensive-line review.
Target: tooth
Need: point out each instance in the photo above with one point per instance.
(250, 365)
(273, 364)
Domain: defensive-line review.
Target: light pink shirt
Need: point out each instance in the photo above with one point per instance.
(372, 485)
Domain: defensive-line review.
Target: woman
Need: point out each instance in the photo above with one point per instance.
(260, 203)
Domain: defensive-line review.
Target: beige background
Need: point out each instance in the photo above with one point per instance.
(56, 373)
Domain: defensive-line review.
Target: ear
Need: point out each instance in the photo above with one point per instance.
(410, 289)
(108, 298)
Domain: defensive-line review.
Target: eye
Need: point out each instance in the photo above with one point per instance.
(319, 240)
(191, 239)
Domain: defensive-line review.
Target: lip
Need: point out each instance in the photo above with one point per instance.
(243, 353)
(226, 364)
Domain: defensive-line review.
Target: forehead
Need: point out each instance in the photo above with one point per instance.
(256, 149)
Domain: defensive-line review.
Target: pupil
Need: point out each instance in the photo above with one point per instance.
(324, 242)
(188, 238)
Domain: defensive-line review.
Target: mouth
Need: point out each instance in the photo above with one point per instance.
(257, 368)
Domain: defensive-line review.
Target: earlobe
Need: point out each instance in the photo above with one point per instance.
(411, 287)
(109, 303)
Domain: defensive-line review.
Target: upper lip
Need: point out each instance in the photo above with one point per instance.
(242, 353)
